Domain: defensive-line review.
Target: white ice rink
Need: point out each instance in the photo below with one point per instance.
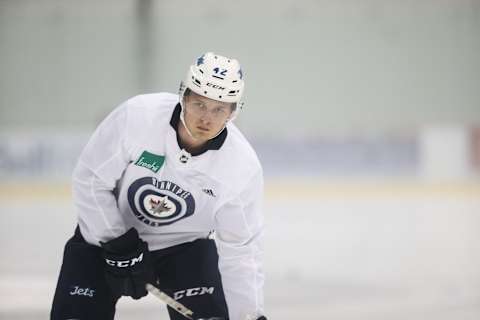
(336, 251)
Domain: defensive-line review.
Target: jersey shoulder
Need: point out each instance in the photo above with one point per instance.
(153, 104)
(240, 148)
(239, 161)
(149, 113)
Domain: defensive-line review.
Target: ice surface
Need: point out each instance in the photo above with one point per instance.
(328, 255)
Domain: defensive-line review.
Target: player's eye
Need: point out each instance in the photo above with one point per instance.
(198, 105)
(219, 111)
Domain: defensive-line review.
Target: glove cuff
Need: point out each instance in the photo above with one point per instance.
(127, 242)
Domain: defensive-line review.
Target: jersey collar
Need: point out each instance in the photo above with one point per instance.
(212, 144)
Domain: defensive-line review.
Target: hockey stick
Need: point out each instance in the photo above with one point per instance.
(177, 306)
(172, 303)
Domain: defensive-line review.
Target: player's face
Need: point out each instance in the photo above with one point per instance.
(205, 117)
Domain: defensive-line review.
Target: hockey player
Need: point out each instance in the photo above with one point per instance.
(168, 191)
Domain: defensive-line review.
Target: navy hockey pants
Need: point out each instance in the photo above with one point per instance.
(188, 272)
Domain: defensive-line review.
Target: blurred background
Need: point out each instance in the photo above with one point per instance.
(364, 113)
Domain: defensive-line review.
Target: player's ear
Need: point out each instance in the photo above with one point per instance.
(233, 112)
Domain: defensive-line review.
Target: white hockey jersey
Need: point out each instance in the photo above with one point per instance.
(132, 173)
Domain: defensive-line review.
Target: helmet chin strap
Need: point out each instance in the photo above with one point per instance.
(182, 118)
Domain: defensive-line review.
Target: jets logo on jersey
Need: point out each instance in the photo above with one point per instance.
(157, 203)
(160, 206)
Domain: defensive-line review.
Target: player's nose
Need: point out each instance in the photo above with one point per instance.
(206, 118)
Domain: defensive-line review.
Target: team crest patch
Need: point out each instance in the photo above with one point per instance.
(157, 203)
(150, 161)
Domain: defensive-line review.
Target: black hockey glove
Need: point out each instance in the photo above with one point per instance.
(128, 265)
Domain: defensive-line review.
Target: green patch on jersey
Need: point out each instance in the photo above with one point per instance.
(150, 161)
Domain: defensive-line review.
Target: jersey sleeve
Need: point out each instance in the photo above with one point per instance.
(239, 233)
(100, 165)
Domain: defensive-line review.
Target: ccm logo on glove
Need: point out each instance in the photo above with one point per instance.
(125, 263)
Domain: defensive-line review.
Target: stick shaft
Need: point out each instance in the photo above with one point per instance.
(177, 306)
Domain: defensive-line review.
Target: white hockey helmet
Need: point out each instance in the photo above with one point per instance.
(215, 77)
